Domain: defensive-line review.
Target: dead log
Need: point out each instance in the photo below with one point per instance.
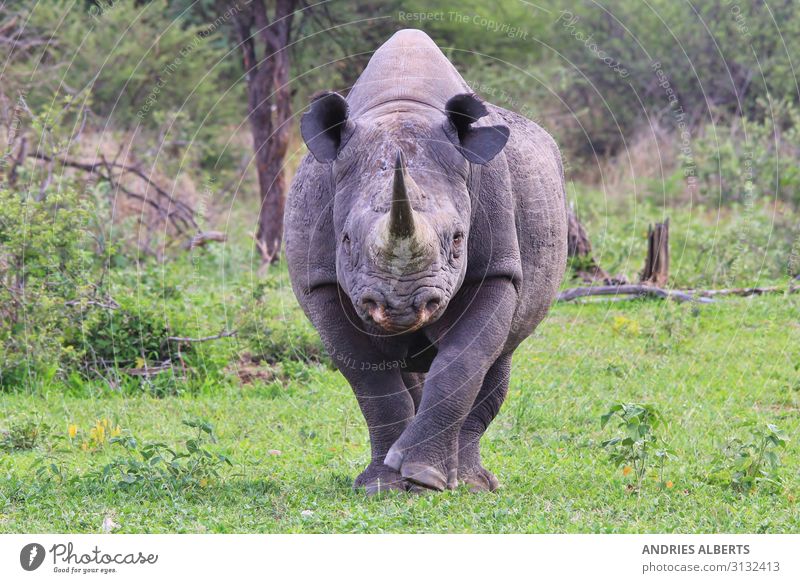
(656, 264)
(628, 290)
(704, 296)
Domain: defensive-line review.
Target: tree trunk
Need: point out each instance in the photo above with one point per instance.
(656, 265)
(269, 106)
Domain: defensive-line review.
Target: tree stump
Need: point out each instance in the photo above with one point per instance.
(579, 250)
(578, 244)
(656, 265)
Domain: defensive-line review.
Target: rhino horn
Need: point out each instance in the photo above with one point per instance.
(401, 216)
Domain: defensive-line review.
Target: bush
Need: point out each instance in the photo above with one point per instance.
(135, 62)
(744, 162)
(45, 263)
(131, 336)
(274, 331)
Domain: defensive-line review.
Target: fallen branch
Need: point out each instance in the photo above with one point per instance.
(202, 239)
(629, 290)
(703, 296)
(188, 340)
(107, 305)
(745, 291)
(148, 371)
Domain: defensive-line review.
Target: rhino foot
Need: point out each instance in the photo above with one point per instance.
(379, 478)
(421, 473)
(478, 479)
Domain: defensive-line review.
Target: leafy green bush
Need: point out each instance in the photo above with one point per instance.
(134, 61)
(275, 331)
(640, 447)
(130, 336)
(157, 466)
(23, 434)
(46, 264)
(745, 464)
(754, 160)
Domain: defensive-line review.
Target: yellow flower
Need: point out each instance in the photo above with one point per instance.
(116, 432)
(203, 482)
(670, 484)
(98, 433)
(626, 470)
(72, 430)
(623, 324)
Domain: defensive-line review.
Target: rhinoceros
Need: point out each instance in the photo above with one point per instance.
(425, 237)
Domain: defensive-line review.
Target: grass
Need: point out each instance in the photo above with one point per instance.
(297, 442)
(296, 439)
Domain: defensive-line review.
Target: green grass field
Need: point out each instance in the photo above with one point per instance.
(296, 442)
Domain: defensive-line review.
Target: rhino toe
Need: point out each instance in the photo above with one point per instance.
(479, 479)
(379, 478)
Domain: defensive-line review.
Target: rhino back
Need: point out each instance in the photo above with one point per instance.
(407, 66)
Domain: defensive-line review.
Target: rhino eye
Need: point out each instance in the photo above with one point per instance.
(346, 242)
(458, 240)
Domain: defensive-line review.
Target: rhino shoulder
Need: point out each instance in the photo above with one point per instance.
(308, 226)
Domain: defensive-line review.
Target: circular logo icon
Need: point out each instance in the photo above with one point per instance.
(31, 556)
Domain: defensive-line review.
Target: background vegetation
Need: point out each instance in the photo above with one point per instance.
(124, 136)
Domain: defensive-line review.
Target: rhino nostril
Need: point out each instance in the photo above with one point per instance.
(429, 303)
(372, 304)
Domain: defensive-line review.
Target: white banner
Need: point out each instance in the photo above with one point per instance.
(387, 558)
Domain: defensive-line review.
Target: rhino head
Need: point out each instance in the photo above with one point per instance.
(402, 207)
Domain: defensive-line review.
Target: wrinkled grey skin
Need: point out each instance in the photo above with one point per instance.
(426, 238)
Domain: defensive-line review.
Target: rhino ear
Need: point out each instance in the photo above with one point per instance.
(478, 145)
(324, 125)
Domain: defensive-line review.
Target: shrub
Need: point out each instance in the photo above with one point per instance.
(157, 466)
(639, 446)
(745, 162)
(45, 264)
(130, 336)
(747, 463)
(274, 331)
(23, 434)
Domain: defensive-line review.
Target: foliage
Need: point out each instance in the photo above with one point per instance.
(133, 61)
(23, 434)
(45, 264)
(131, 336)
(755, 159)
(752, 462)
(157, 466)
(276, 332)
(639, 441)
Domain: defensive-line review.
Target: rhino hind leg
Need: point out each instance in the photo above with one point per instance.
(487, 404)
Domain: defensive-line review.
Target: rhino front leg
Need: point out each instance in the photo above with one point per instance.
(486, 406)
(382, 396)
(470, 337)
